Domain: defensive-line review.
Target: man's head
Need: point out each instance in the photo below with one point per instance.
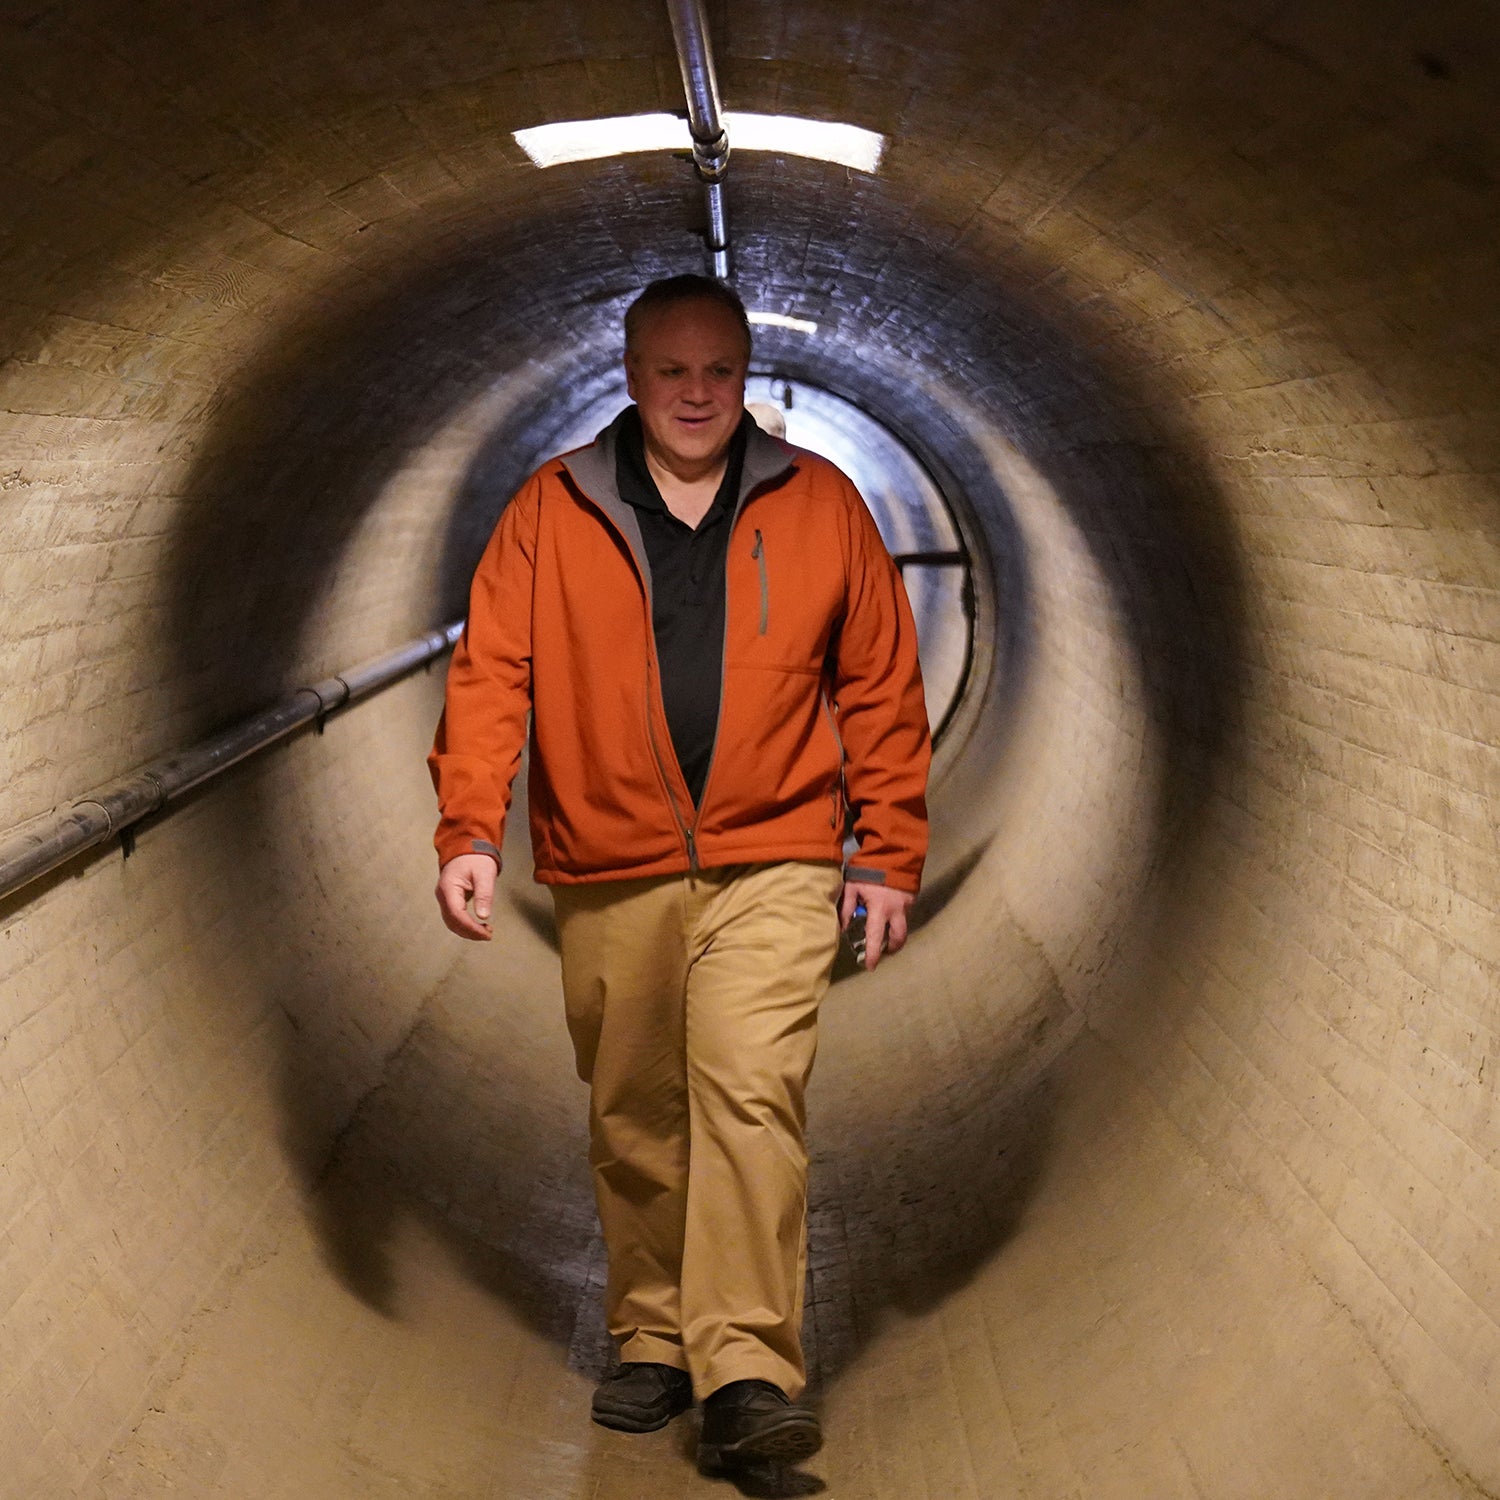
(687, 350)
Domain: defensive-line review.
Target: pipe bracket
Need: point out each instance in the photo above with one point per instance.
(711, 157)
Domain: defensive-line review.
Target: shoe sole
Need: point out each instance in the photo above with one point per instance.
(627, 1421)
(788, 1441)
(617, 1423)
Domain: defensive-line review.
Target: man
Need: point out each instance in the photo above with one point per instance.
(721, 668)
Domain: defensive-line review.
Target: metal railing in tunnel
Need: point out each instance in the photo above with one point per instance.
(41, 845)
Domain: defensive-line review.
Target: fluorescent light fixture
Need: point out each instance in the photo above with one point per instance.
(823, 140)
(620, 135)
(780, 320)
(588, 140)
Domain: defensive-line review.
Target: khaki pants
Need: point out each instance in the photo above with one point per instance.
(692, 1001)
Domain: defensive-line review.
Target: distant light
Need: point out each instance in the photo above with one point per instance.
(621, 135)
(780, 320)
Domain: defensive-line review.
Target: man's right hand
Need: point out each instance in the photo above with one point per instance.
(464, 876)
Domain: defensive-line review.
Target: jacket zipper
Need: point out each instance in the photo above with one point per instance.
(689, 828)
(685, 832)
(682, 824)
(758, 552)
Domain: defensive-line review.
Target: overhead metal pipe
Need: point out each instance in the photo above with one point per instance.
(37, 848)
(718, 229)
(700, 85)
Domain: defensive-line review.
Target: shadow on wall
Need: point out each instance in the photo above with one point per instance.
(470, 1125)
(903, 1214)
(471, 1134)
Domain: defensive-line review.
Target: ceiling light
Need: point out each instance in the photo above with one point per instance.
(619, 135)
(823, 140)
(588, 140)
(780, 320)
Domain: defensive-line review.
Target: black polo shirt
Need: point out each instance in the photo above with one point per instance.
(687, 593)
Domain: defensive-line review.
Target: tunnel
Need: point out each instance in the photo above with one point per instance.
(1164, 1164)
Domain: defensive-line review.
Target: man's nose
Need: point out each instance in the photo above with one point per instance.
(698, 391)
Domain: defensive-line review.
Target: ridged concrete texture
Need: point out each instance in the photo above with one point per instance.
(1166, 1162)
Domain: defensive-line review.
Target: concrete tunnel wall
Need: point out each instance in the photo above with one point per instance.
(1165, 1161)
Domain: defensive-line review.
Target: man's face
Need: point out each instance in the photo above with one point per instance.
(687, 376)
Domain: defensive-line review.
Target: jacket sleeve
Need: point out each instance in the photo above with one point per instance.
(877, 690)
(483, 728)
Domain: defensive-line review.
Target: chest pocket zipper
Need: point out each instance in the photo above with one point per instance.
(758, 552)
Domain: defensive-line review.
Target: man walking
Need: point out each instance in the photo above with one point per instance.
(721, 671)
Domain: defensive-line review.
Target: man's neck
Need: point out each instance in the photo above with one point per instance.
(688, 494)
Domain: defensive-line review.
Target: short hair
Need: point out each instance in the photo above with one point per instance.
(673, 291)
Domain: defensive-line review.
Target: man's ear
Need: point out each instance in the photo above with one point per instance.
(630, 375)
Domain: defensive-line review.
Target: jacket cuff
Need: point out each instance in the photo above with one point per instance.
(896, 880)
(451, 844)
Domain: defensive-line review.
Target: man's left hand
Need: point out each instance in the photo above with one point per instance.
(885, 917)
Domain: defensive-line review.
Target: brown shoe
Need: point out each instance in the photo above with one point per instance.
(641, 1396)
(753, 1421)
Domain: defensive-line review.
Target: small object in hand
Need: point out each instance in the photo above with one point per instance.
(854, 933)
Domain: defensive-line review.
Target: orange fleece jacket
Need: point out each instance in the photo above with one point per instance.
(821, 697)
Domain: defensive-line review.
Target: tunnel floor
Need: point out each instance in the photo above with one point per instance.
(1140, 1333)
